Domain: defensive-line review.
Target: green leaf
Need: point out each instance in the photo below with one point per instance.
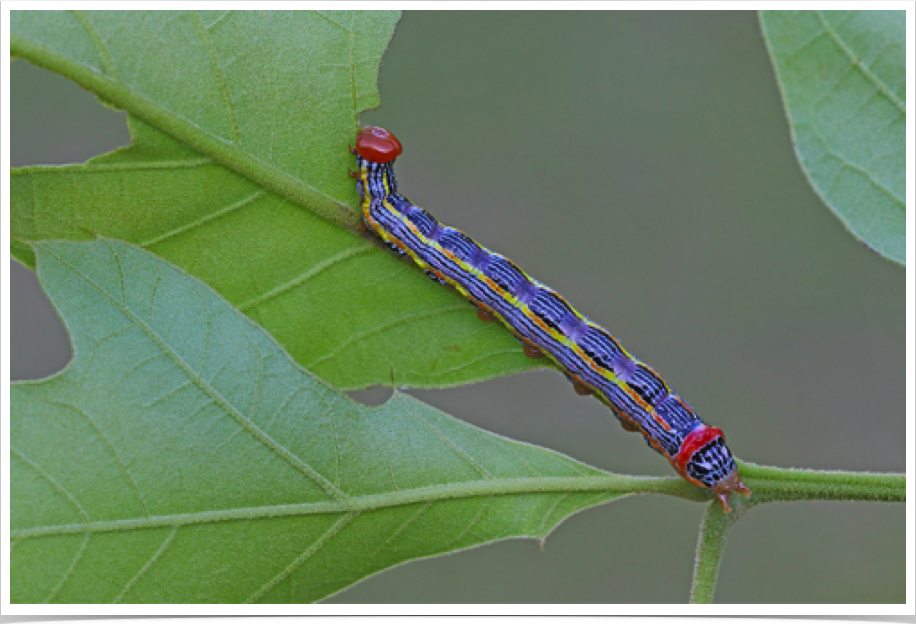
(843, 80)
(183, 457)
(237, 173)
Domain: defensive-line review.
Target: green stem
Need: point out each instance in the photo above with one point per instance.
(711, 543)
(770, 484)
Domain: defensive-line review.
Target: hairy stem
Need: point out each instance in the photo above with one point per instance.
(771, 484)
(710, 545)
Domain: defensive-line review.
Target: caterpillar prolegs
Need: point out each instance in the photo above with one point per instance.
(545, 323)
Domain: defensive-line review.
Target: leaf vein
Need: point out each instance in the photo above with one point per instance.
(324, 16)
(383, 327)
(607, 483)
(482, 512)
(367, 560)
(510, 446)
(92, 167)
(326, 264)
(221, 77)
(858, 64)
(257, 433)
(846, 164)
(546, 517)
(483, 472)
(149, 564)
(41, 472)
(205, 219)
(70, 569)
(304, 556)
(96, 41)
(477, 360)
(381, 446)
(110, 446)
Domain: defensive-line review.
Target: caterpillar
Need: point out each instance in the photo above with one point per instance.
(545, 323)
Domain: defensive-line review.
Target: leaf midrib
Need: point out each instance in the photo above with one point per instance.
(609, 484)
(231, 156)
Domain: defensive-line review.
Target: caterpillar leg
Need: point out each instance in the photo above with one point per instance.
(395, 249)
(625, 423)
(433, 276)
(485, 315)
(530, 350)
(580, 388)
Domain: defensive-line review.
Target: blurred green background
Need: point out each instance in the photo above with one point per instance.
(640, 163)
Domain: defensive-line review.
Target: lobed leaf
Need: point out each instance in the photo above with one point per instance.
(240, 123)
(183, 457)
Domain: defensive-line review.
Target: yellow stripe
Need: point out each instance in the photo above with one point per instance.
(512, 300)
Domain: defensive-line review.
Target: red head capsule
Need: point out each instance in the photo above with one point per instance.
(704, 460)
(377, 145)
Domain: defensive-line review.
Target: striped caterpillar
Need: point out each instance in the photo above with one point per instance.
(544, 322)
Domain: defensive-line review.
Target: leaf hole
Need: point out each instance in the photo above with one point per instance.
(55, 122)
(372, 397)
